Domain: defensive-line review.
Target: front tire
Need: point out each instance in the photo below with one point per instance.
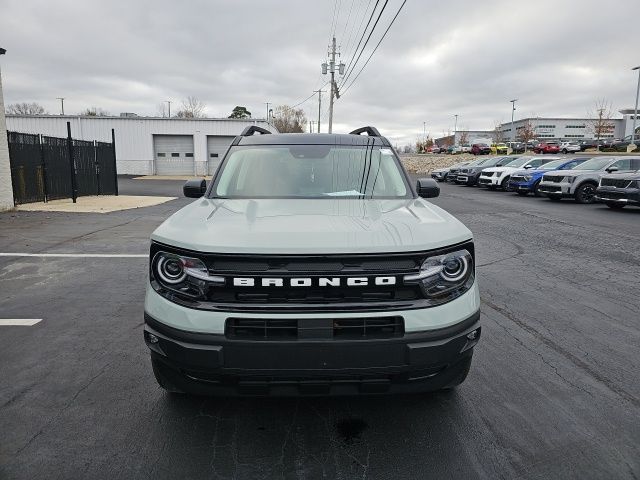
(585, 193)
(161, 378)
(615, 206)
(564, 150)
(536, 190)
(504, 185)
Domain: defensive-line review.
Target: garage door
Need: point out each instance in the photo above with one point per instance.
(216, 148)
(173, 154)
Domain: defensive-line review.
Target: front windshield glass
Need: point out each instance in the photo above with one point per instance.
(518, 162)
(551, 165)
(593, 164)
(310, 171)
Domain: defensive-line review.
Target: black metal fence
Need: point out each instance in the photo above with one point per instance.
(50, 168)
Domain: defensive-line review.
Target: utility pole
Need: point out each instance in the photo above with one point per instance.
(332, 71)
(455, 131)
(267, 104)
(169, 103)
(513, 109)
(319, 92)
(61, 105)
(635, 112)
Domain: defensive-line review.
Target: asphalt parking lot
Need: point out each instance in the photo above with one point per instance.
(554, 391)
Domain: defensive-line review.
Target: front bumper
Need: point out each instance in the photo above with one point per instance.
(467, 178)
(626, 196)
(522, 186)
(215, 364)
(555, 189)
(492, 181)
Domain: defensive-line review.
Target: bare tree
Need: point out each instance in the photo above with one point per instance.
(498, 134)
(192, 107)
(600, 122)
(25, 108)
(464, 137)
(95, 112)
(289, 120)
(527, 132)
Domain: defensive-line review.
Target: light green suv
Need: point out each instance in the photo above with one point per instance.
(311, 266)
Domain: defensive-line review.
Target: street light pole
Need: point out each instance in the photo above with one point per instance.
(635, 112)
(513, 109)
(455, 131)
(61, 105)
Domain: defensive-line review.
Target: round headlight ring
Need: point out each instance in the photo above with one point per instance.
(454, 269)
(171, 270)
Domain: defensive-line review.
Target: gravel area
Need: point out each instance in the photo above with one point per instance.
(428, 162)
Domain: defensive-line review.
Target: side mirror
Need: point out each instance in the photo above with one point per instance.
(498, 164)
(612, 169)
(427, 188)
(527, 167)
(195, 188)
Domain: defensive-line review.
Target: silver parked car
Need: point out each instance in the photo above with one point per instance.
(581, 182)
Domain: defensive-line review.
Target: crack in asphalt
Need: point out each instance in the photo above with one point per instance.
(569, 356)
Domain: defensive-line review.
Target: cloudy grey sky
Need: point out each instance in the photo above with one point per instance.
(440, 58)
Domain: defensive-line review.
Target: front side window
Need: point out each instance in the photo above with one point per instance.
(310, 171)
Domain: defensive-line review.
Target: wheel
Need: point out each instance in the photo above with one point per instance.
(463, 371)
(554, 198)
(522, 193)
(564, 150)
(504, 185)
(536, 190)
(615, 206)
(161, 378)
(585, 193)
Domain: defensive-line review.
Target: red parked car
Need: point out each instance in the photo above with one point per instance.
(547, 147)
(480, 149)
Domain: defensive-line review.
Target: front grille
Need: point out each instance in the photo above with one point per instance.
(453, 170)
(464, 170)
(516, 178)
(615, 182)
(553, 178)
(487, 174)
(612, 195)
(308, 329)
(550, 188)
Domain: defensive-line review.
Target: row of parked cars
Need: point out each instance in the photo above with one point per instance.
(612, 180)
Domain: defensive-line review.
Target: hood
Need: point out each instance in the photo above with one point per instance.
(571, 173)
(630, 175)
(278, 226)
(502, 169)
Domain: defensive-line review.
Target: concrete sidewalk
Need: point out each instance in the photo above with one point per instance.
(96, 204)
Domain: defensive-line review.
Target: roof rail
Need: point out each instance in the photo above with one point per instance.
(250, 130)
(371, 131)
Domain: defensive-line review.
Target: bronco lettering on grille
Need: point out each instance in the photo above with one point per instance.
(309, 282)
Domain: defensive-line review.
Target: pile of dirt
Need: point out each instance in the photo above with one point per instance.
(429, 162)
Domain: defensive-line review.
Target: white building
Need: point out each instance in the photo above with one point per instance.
(148, 145)
(6, 190)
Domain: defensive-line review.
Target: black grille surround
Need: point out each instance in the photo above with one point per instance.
(552, 178)
(615, 182)
(288, 299)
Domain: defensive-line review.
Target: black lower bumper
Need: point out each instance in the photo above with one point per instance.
(630, 196)
(215, 365)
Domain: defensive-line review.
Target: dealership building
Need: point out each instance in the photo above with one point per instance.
(553, 128)
(148, 145)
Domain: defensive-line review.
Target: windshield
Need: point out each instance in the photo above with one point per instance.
(518, 162)
(552, 165)
(310, 171)
(593, 164)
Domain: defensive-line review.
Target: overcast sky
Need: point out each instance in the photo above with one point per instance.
(440, 58)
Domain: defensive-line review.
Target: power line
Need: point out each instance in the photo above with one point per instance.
(346, 77)
(346, 51)
(363, 34)
(346, 24)
(310, 96)
(374, 50)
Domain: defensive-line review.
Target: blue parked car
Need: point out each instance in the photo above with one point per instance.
(525, 181)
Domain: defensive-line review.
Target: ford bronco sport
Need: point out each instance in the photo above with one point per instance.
(311, 266)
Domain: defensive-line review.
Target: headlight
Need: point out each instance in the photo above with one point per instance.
(184, 275)
(498, 174)
(569, 179)
(445, 277)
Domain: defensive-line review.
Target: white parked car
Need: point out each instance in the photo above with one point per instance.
(498, 176)
(569, 147)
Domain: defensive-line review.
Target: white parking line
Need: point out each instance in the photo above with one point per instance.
(23, 322)
(76, 255)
